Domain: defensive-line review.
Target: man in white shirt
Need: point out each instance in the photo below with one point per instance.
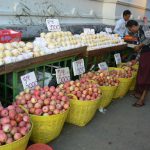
(120, 27)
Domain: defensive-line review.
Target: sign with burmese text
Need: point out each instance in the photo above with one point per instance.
(53, 25)
(62, 75)
(117, 58)
(78, 67)
(29, 80)
(103, 66)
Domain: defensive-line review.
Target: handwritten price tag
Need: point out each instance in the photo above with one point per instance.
(117, 58)
(53, 25)
(92, 31)
(87, 30)
(108, 30)
(78, 67)
(29, 80)
(62, 75)
(103, 66)
(147, 34)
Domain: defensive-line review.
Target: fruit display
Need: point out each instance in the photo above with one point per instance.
(99, 40)
(59, 41)
(18, 51)
(43, 101)
(103, 78)
(123, 73)
(82, 89)
(14, 124)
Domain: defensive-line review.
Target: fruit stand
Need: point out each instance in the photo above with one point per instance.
(51, 102)
(104, 54)
(43, 63)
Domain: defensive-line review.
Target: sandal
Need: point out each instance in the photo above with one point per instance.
(138, 105)
(135, 96)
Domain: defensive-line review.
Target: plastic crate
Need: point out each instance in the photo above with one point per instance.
(7, 36)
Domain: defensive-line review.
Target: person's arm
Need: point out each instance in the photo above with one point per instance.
(117, 27)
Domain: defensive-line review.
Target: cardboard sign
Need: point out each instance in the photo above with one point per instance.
(117, 58)
(62, 75)
(53, 25)
(78, 67)
(103, 66)
(29, 80)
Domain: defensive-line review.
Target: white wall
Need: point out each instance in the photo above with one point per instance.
(30, 14)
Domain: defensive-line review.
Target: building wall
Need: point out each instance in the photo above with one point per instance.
(30, 15)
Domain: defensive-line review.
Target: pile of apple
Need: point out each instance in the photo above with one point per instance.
(14, 124)
(18, 51)
(124, 73)
(82, 89)
(59, 39)
(103, 78)
(99, 40)
(43, 101)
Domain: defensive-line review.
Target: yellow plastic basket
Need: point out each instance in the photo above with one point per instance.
(124, 85)
(132, 87)
(107, 95)
(81, 112)
(20, 144)
(47, 128)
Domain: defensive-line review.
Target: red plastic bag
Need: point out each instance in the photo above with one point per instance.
(7, 36)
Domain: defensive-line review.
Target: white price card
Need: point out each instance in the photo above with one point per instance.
(92, 31)
(103, 66)
(117, 58)
(78, 67)
(29, 80)
(62, 75)
(108, 30)
(87, 30)
(147, 34)
(53, 25)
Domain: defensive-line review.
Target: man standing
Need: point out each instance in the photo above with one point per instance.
(120, 27)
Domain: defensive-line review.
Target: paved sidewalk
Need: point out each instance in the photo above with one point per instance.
(122, 127)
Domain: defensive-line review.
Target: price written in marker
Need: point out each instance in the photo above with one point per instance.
(108, 30)
(103, 66)
(78, 67)
(53, 25)
(62, 75)
(117, 58)
(89, 31)
(29, 80)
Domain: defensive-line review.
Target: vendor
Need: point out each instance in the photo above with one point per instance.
(120, 27)
(143, 76)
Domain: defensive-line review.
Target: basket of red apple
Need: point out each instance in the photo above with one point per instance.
(84, 100)
(48, 108)
(108, 85)
(125, 77)
(131, 66)
(15, 128)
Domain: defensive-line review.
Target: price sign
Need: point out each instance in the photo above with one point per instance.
(103, 66)
(62, 75)
(78, 67)
(108, 30)
(117, 58)
(87, 30)
(92, 31)
(147, 34)
(29, 80)
(53, 25)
